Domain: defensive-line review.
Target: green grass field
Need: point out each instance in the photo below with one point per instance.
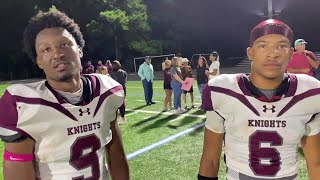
(178, 159)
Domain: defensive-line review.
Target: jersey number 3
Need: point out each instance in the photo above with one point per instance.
(81, 160)
(265, 160)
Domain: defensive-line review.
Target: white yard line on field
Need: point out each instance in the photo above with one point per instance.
(140, 100)
(164, 141)
(167, 113)
(131, 114)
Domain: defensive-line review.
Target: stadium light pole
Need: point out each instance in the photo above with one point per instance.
(270, 10)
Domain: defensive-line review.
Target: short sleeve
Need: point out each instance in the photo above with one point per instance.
(313, 126)
(173, 71)
(9, 119)
(214, 122)
(206, 99)
(215, 65)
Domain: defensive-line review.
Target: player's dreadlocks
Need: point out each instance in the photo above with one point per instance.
(45, 20)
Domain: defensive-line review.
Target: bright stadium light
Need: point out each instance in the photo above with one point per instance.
(272, 13)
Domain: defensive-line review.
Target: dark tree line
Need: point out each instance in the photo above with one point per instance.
(124, 29)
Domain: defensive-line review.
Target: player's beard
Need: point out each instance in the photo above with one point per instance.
(68, 76)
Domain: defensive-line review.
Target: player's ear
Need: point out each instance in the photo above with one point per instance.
(291, 52)
(39, 62)
(249, 53)
(80, 52)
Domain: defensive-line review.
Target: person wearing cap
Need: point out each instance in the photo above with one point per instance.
(214, 69)
(302, 61)
(186, 72)
(146, 74)
(263, 116)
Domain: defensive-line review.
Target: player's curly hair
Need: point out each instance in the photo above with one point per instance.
(45, 20)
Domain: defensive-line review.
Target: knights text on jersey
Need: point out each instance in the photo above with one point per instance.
(70, 140)
(261, 138)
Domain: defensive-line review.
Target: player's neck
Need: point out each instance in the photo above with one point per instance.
(264, 83)
(71, 86)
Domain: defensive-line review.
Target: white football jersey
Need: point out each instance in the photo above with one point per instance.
(70, 140)
(261, 137)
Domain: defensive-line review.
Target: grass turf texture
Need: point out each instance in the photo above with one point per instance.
(178, 159)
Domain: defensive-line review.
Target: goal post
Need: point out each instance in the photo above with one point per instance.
(158, 57)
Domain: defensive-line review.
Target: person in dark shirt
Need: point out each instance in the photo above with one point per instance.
(89, 68)
(120, 76)
(166, 65)
(202, 78)
(186, 72)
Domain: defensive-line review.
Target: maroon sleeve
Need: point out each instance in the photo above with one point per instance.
(206, 99)
(9, 118)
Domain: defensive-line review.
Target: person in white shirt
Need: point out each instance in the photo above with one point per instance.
(214, 69)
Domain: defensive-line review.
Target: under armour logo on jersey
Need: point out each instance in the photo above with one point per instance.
(272, 109)
(82, 112)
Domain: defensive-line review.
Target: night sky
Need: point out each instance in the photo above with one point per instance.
(224, 25)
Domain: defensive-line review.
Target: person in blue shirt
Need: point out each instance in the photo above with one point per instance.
(146, 74)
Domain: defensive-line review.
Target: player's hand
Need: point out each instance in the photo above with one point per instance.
(206, 72)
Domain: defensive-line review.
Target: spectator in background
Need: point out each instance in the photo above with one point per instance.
(146, 74)
(89, 68)
(109, 65)
(186, 72)
(302, 61)
(316, 73)
(98, 66)
(81, 70)
(176, 84)
(202, 78)
(166, 65)
(214, 69)
(102, 70)
(121, 77)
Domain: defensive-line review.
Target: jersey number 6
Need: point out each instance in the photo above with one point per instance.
(264, 159)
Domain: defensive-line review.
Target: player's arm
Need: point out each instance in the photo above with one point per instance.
(19, 149)
(210, 160)
(311, 144)
(117, 160)
(18, 160)
(212, 147)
